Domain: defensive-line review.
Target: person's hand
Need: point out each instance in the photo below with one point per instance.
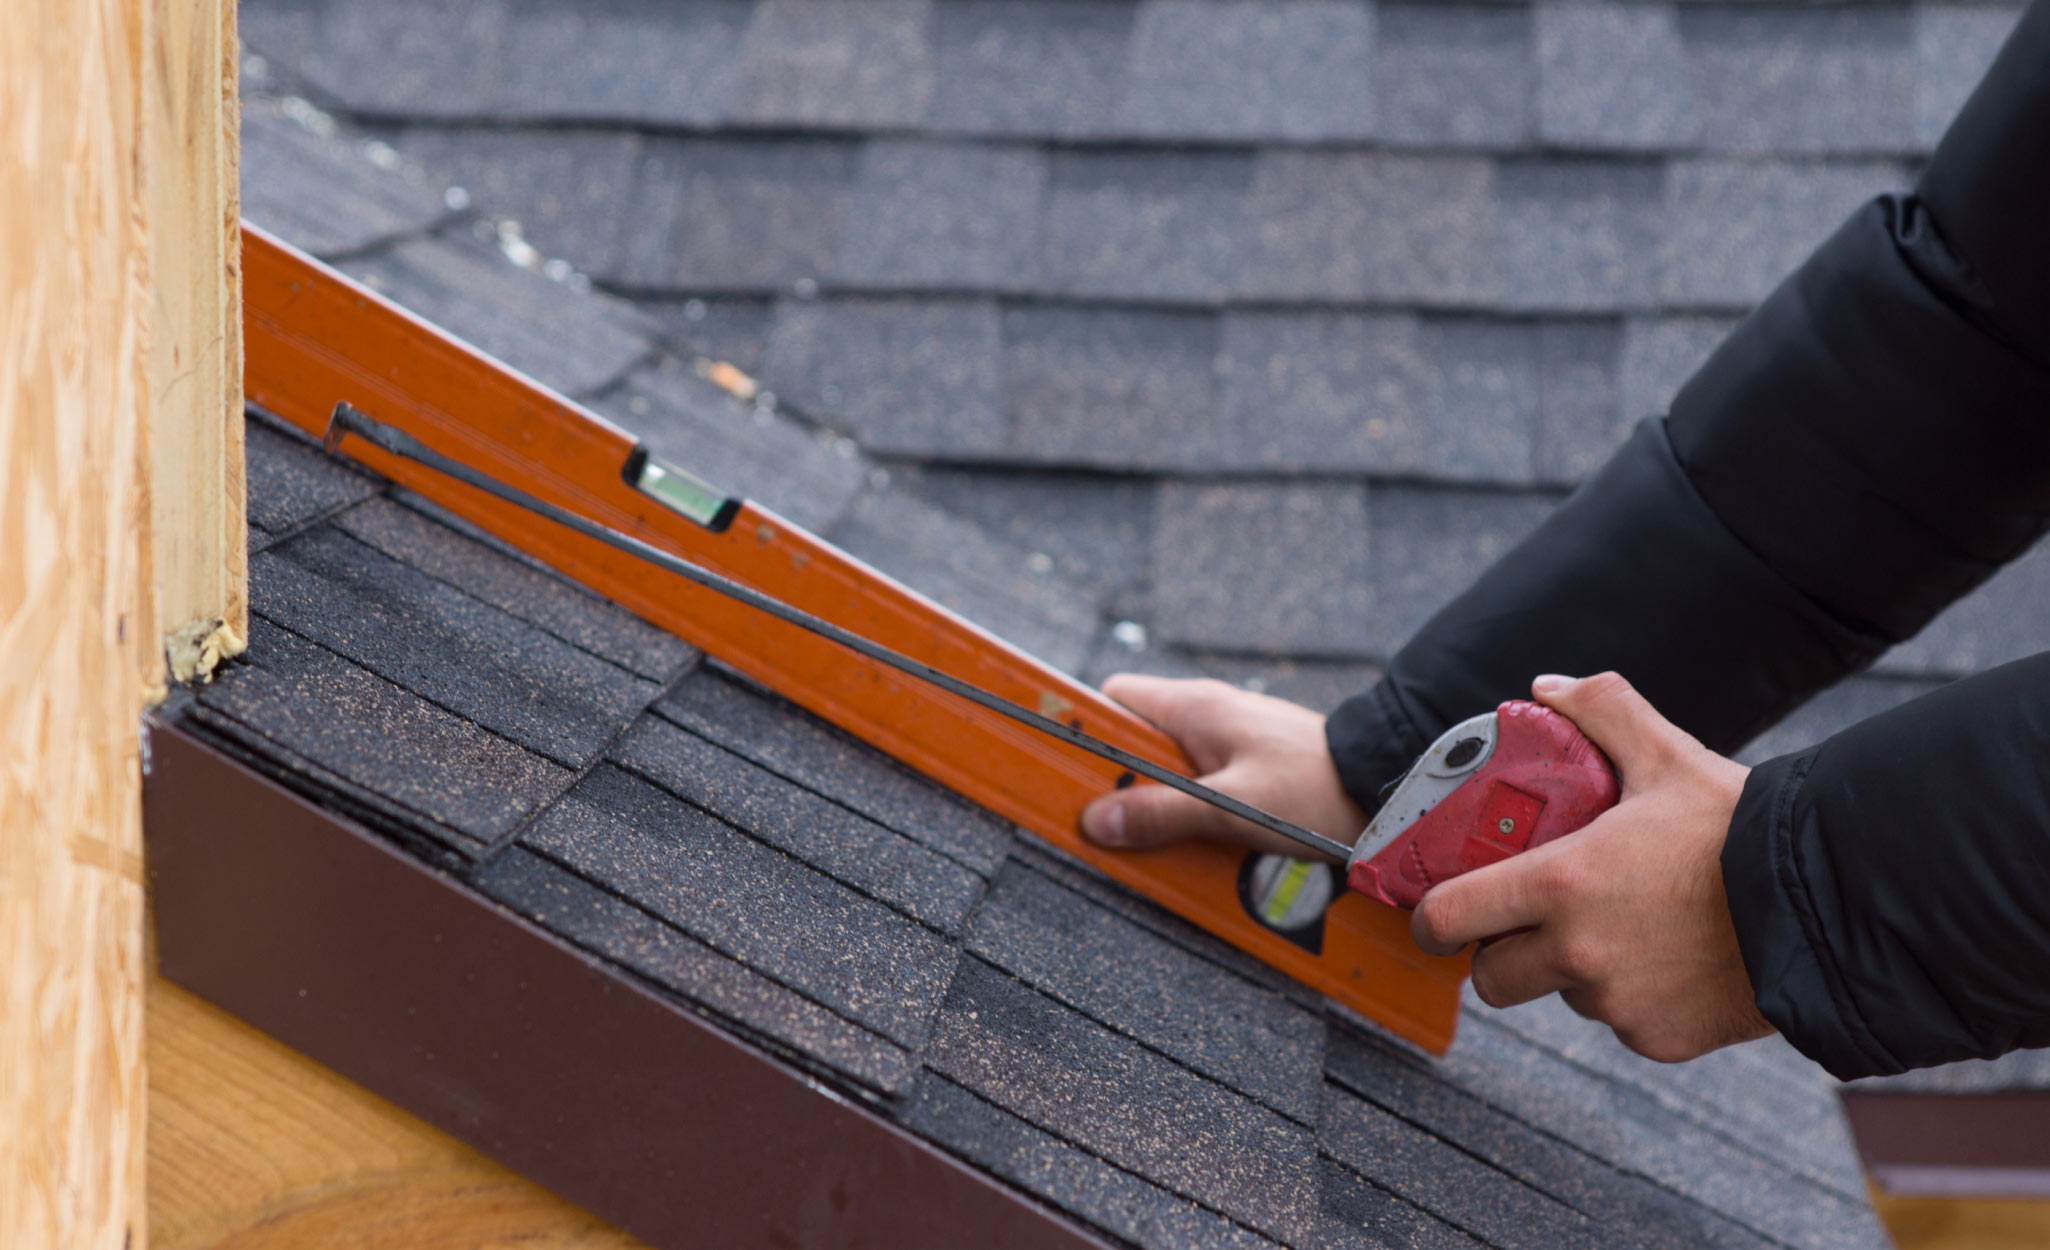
(1266, 751)
(1626, 919)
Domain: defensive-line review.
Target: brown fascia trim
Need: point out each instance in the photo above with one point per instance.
(407, 982)
(1991, 1145)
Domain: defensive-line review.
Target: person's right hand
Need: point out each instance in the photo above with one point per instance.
(1266, 751)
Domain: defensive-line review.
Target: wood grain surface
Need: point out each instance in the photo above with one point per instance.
(253, 1146)
(76, 635)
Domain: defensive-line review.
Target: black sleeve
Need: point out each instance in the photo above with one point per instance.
(1872, 443)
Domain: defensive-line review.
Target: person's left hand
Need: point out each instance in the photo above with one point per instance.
(1626, 919)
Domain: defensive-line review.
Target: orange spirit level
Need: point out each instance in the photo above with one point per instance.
(314, 339)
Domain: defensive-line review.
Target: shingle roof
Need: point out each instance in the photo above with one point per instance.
(1075, 312)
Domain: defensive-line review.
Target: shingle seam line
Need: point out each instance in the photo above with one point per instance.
(598, 757)
(1678, 1108)
(613, 892)
(944, 852)
(1092, 1153)
(952, 939)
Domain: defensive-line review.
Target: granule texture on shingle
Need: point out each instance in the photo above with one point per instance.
(1079, 878)
(1448, 1182)
(1113, 1198)
(311, 189)
(792, 743)
(1763, 1093)
(509, 312)
(850, 63)
(446, 646)
(1801, 78)
(1125, 1103)
(1426, 546)
(1225, 1027)
(1251, 69)
(1096, 528)
(1155, 225)
(974, 574)
(723, 214)
(1659, 355)
(1393, 393)
(909, 376)
(643, 60)
(1453, 75)
(1263, 567)
(291, 481)
(1109, 387)
(1633, 1130)
(841, 843)
(862, 959)
(942, 216)
(1354, 1208)
(406, 533)
(607, 925)
(1579, 235)
(1027, 67)
(1735, 228)
(371, 734)
(567, 189)
(1610, 75)
(1581, 417)
(1380, 226)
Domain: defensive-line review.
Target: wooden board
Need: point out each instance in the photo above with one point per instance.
(1963, 1223)
(192, 148)
(75, 623)
(253, 1146)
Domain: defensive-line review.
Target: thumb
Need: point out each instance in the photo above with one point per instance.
(1620, 721)
(1148, 816)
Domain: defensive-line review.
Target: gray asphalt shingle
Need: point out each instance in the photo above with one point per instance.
(1159, 225)
(463, 785)
(418, 534)
(725, 214)
(615, 929)
(1792, 79)
(851, 63)
(811, 753)
(1609, 75)
(1371, 226)
(749, 902)
(1250, 69)
(843, 844)
(1453, 75)
(1122, 1102)
(1735, 228)
(974, 574)
(634, 60)
(1108, 387)
(454, 650)
(1279, 567)
(942, 215)
(1030, 67)
(1113, 1198)
(566, 188)
(311, 190)
(1239, 1034)
(919, 377)
(291, 481)
(463, 285)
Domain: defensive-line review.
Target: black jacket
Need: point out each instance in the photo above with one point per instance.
(1872, 443)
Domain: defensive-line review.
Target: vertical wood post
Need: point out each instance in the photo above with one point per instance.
(199, 549)
(93, 94)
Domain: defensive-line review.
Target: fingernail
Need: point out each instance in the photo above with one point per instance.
(1103, 822)
(1551, 683)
